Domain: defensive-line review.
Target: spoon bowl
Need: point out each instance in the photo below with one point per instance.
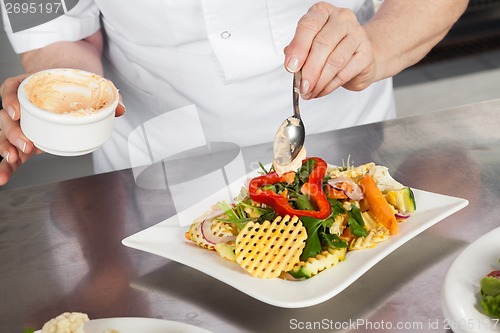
(290, 136)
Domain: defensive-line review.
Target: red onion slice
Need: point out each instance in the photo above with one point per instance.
(356, 194)
(401, 216)
(209, 235)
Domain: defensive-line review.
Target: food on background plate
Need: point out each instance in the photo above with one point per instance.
(69, 322)
(490, 294)
(296, 224)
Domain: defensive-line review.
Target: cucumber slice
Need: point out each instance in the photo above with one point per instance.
(322, 261)
(403, 200)
(226, 251)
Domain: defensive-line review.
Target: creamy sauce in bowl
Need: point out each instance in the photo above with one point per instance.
(70, 91)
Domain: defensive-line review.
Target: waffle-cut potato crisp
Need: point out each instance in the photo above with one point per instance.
(265, 250)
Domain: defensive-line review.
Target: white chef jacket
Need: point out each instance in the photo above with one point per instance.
(225, 57)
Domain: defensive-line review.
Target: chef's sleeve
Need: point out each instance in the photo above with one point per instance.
(77, 23)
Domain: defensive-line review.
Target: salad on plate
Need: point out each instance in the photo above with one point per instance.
(296, 224)
(490, 294)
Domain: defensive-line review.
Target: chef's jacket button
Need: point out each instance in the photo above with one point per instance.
(225, 34)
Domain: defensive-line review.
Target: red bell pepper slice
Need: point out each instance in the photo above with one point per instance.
(279, 202)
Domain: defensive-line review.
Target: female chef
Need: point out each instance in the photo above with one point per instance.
(228, 60)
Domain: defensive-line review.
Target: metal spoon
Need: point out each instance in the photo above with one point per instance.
(290, 136)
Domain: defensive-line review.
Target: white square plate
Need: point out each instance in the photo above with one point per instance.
(167, 239)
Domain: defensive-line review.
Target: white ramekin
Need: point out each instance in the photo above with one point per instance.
(66, 134)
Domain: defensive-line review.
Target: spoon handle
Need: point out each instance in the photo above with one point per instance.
(296, 93)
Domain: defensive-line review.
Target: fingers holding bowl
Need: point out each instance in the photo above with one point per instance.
(11, 132)
(66, 112)
(8, 92)
(120, 108)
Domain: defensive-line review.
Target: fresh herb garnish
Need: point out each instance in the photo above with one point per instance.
(228, 210)
(302, 174)
(264, 169)
(333, 240)
(313, 242)
(355, 222)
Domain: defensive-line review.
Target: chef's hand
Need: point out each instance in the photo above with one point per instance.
(15, 148)
(333, 50)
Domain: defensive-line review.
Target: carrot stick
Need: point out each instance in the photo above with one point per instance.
(379, 207)
(333, 193)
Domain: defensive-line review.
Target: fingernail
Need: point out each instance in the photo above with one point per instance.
(10, 110)
(21, 145)
(293, 65)
(5, 155)
(304, 87)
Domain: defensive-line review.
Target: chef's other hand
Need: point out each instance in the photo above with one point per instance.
(15, 148)
(333, 50)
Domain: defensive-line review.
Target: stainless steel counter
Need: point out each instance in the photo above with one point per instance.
(60, 244)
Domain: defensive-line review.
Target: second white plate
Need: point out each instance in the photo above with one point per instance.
(137, 324)
(460, 296)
